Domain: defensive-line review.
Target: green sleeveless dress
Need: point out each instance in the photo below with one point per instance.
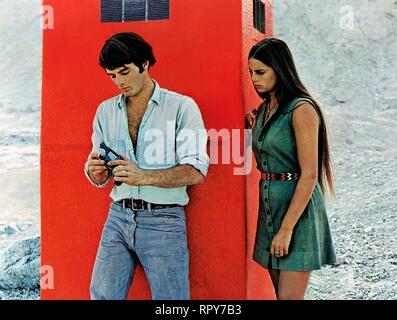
(275, 151)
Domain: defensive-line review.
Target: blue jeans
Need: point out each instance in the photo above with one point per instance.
(156, 239)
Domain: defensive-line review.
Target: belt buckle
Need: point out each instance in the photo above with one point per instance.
(139, 207)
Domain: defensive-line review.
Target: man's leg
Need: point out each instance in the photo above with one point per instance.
(115, 263)
(161, 245)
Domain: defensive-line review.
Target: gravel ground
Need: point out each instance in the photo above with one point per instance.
(21, 294)
(364, 226)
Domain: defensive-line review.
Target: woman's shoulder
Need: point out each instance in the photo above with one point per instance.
(297, 102)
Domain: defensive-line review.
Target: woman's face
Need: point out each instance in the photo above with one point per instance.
(263, 77)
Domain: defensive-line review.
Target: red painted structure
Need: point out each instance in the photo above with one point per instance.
(201, 52)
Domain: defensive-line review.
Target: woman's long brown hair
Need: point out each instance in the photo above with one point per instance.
(276, 54)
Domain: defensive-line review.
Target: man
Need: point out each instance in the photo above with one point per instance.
(161, 137)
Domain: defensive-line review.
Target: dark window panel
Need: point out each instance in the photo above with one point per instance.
(159, 9)
(259, 15)
(111, 10)
(135, 10)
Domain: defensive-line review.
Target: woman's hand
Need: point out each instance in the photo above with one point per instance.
(281, 243)
(250, 119)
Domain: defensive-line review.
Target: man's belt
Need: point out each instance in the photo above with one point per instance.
(140, 205)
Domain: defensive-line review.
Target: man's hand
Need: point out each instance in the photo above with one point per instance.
(96, 168)
(128, 172)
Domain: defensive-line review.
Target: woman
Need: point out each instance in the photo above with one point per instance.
(290, 145)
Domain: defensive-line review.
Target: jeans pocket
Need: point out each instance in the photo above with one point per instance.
(109, 232)
(113, 228)
(171, 213)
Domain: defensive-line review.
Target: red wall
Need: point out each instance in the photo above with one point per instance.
(259, 284)
(199, 54)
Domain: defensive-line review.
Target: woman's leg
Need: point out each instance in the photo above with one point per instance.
(292, 285)
(275, 275)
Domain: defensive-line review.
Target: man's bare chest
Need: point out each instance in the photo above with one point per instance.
(135, 117)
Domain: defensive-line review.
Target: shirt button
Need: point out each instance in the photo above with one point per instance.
(268, 249)
(265, 199)
(265, 187)
(268, 213)
(269, 224)
(265, 163)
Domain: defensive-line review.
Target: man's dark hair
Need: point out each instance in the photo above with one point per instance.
(124, 48)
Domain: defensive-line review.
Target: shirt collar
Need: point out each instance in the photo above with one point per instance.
(121, 99)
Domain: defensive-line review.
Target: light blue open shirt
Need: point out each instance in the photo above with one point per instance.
(171, 133)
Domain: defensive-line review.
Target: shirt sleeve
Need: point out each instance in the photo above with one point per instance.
(97, 139)
(191, 137)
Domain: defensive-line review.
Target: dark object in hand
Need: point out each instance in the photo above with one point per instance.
(109, 156)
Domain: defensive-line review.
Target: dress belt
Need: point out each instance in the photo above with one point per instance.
(140, 205)
(283, 176)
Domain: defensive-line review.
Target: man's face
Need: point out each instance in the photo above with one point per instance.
(128, 79)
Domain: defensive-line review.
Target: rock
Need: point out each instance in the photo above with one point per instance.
(340, 261)
(374, 293)
(369, 229)
(8, 230)
(20, 265)
(359, 296)
(22, 226)
(14, 228)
